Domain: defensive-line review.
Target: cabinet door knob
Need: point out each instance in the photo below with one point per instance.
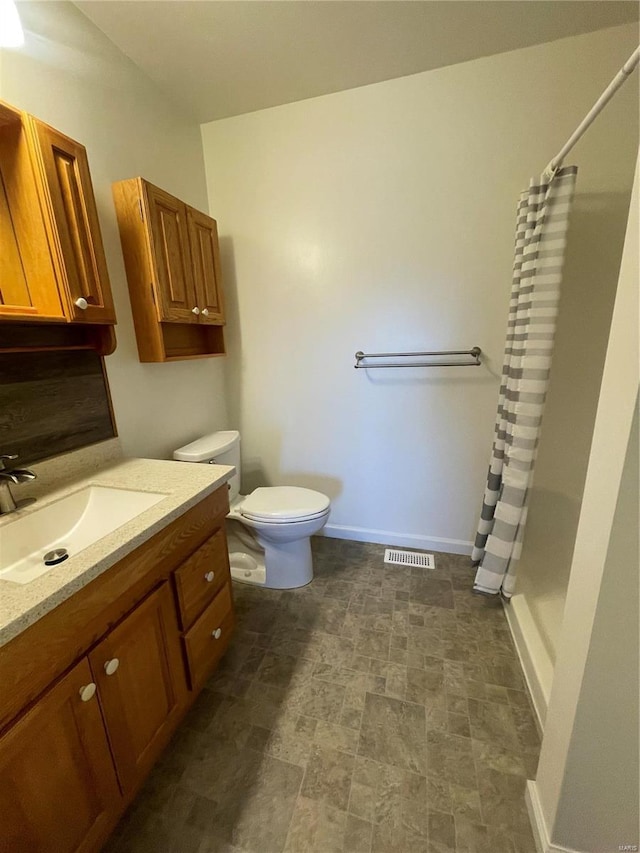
(209, 576)
(205, 312)
(216, 636)
(111, 666)
(195, 310)
(87, 692)
(81, 302)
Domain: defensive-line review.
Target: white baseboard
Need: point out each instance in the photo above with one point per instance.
(538, 823)
(389, 537)
(534, 657)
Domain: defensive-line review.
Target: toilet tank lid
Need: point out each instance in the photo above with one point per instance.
(208, 446)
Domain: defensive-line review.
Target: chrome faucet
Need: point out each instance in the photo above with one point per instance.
(11, 475)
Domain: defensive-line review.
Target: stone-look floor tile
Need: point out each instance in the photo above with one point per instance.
(320, 699)
(442, 833)
(502, 799)
(393, 732)
(457, 705)
(395, 676)
(360, 663)
(520, 699)
(341, 589)
(458, 724)
(465, 802)
(315, 828)
(490, 756)
(504, 674)
(357, 837)
(436, 593)
(399, 656)
(362, 800)
(493, 723)
(339, 737)
(415, 818)
(426, 687)
(439, 794)
(527, 731)
(523, 842)
(290, 740)
(328, 777)
(373, 644)
(362, 684)
(460, 649)
(251, 802)
(472, 837)
(351, 718)
(281, 670)
(451, 758)
(424, 639)
(306, 733)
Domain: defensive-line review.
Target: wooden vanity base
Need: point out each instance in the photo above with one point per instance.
(91, 693)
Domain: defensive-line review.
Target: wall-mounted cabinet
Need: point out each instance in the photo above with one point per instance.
(52, 262)
(172, 261)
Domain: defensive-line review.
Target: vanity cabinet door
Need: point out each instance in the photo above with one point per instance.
(205, 259)
(71, 216)
(201, 577)
(174, 284)
(58, 787)
(141, 684)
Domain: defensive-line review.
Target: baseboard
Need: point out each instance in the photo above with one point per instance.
(534, 658)
(538, 823)
(389, 537)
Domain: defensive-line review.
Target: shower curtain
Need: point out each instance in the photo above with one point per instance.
(541, 230)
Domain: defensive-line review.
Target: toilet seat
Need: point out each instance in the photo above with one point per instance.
(283, 504)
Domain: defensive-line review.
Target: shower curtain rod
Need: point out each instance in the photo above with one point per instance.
(595, 110)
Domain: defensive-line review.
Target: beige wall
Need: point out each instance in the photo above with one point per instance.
(73, 77)
(382, 218)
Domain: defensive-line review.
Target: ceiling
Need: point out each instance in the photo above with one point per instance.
(220, 58)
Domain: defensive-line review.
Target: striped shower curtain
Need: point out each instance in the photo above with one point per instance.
(541, 230)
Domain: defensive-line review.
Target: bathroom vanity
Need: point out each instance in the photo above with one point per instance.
(101, 657)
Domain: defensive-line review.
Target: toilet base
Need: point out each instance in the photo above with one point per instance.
(245, 568)
(283, 565)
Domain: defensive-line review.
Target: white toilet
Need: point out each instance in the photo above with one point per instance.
(269, 530)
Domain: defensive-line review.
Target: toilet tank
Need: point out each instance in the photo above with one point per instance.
(220, 448)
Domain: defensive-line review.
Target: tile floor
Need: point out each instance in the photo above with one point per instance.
(381, 709)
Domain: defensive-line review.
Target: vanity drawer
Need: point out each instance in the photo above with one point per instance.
(208, 639)
(201, 577)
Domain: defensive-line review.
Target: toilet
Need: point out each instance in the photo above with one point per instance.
(268, 531)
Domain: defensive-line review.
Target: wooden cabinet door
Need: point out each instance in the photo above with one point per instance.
(144, 697)
(58, 787)
(174, 286)
(205, 259)
(70, 211)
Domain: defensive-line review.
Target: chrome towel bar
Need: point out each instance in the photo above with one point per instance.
(474, 352)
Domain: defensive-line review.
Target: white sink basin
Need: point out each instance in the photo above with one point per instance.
(72, 523)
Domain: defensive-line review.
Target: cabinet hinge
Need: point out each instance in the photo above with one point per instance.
(153, 293)
(140, 209)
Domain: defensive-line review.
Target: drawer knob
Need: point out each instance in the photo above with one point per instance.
(111, 666)
(82, 303)
(216, 636)
(87, 692)
(209, 576)
(195, 310)
(205, 312)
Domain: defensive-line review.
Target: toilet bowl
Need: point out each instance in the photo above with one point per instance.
(269, 530)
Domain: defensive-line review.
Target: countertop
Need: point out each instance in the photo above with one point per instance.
(184, 484)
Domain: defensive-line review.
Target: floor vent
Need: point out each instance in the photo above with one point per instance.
(409, 558)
